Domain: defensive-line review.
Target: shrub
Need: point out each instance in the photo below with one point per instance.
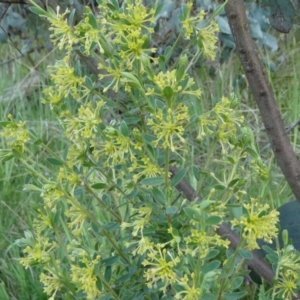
(117, 221)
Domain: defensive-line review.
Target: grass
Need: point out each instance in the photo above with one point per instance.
(21, 93)
(15, 212)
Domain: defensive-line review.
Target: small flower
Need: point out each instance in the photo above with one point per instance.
(189, 292)
(168, 126)
(15, 134)
(83, 276)
(287, 286)
(258, 224)
(77, 217)
(52, 283)
(160, 267)
(63, 34)
(142, 246)
(66, 82)
(38, 252)
(145, 168)
(203, 242)
(209, 39)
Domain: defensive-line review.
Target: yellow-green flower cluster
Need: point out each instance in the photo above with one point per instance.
(203, 242)
(288, 272)
(85, 124)
(208, 38)
(144, 168)
(260, 169)
(223, 121)
(39, 252)
(189, 292)
(66, 84)
(51, 282)
(168, 126)
(15, 134)
(128, 33)
(160, 267)
(77, 217)
(52, 195)
(116, 148)
(287, 286)
(260, 223)
(205, 33)
(83, 274)
(62, 33)
(89, 32)
(178, 87)
(141, 219)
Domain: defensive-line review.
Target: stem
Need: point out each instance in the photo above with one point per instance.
(108, 287)
(209, 156)
(89, 189)
(29, 167)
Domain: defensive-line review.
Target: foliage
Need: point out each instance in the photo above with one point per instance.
(112, 224)
(18, 21)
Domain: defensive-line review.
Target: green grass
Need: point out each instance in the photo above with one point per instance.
(15, 213)
(22, 101)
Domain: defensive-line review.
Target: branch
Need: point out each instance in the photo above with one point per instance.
(263, 94)
(256, 263)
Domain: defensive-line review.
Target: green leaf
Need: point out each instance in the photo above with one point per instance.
(109, 261)
(132, 80)
(124, 129)
(212, 253)
(213, 220)
(92, 21)
(282, 14)
(233, 182)
(245, 254)
(6, 155)
(158, 9)
(71, 18)
(236, 210)
(154, 181)
(107, 273)
(180, 72)
(172, 210)
(31, 187)
(219, 187)
(54, 161)
(39, 11)
(211, 266)
(204, 204)
(99, 186)
(159, 196)
(7, 123)
(112, 226)
(123, 278)
(196, 173)
(235, 296)
(38, 142)
(178, 177)
(192, 213)
(237, 282)
(168, 92)
(16, 153)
